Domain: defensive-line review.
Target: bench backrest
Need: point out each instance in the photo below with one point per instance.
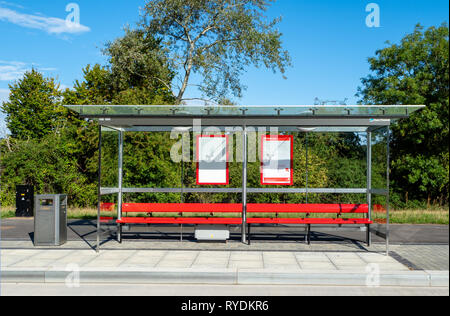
(237, 208)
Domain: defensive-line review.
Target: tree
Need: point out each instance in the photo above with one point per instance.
(50, 164)
(216, 39)
(139, 70)
(416, 71)
(94, 89)
(34, 107)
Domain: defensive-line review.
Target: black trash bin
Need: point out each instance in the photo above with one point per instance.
(24, 201)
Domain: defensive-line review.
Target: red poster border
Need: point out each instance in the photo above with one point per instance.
(277, 138)
(198, 159)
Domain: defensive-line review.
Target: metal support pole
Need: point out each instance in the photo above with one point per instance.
(97, 248)
(182, 182)
(388, 154)
(307, 168)
(120, 195)
(369, 184)
(244, 185)
(308, 234)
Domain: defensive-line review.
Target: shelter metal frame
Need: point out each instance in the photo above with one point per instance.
(308, 119)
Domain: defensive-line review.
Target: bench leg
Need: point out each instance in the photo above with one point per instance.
(249, 235)
(181, 234)
(368, 236)
(119, 233)
(308, 234)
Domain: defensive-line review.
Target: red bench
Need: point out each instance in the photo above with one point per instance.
(211, 209)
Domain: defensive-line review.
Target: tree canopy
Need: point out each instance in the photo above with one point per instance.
(34, 107)
(216, 39)
(416, 72)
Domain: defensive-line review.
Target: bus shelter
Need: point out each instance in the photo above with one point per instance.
(371, 122)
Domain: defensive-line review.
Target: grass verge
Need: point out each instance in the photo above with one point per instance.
(435, 216)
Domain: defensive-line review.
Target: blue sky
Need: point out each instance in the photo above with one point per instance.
(329, 42)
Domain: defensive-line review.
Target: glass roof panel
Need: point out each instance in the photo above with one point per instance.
(386, 111)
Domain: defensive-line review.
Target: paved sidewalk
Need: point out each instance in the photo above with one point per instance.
(415, 257)
(333, 259)
(139, 259)
(212, 267)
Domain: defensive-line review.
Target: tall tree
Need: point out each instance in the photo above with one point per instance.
(216, 39)
(139, 68)
(416, 71)
(34, 107)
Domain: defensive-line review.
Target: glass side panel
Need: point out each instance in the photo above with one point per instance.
(380, 217)
(379, 158)
(379, 177)
(110, 158)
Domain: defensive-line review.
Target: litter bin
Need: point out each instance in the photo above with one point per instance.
(50, 220)
(24, 200)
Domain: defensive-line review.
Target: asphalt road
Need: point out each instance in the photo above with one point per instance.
(79, 230)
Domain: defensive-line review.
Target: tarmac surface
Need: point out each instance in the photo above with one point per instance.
(22, 229)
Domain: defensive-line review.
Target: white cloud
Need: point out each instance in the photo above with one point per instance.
(9, 4)
(48, 24)
(13, 70)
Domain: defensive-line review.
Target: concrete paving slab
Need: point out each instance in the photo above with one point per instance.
(211, 260)
(293, 267)
(174, 264)
(239, 264)
(393, 267)
(214, 254)
(349, 262)
(135, 266)
(102, 263)
(210, 266)
(141, 261)
(181, 255)
(246, 256)
(73, 261)
(312, 257)
(53, 255)
(8, 261)
(343, 256)
(278, 256)
(376, 258)
(325, 266)
(42, 263)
